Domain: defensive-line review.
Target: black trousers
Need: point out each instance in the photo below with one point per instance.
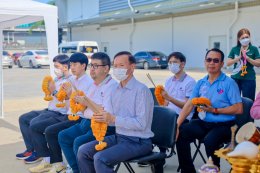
(213, 135)
(44, 133)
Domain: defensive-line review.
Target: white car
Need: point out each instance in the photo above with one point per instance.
(34, 58)
(7, 60)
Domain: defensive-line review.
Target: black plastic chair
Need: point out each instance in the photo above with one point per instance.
(164, 128)
(240, 120)
(154, 98)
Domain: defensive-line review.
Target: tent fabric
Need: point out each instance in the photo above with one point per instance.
(16, 12)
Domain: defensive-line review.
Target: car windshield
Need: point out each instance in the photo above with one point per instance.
(41, 52)
(88, 49)
(156, 54)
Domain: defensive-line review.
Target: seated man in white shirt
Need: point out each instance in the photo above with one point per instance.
(131, 112)
(178, 89)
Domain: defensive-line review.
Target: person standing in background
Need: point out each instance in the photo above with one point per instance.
(244, 56)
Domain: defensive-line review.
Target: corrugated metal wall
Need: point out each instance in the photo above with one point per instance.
(113, 5)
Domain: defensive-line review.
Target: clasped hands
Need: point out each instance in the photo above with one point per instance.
(104, 117)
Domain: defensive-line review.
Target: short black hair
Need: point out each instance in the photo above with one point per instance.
(131, 58)
(103, 57)
(80, 58)
(62, 59)
(216, 50)
(177, 55)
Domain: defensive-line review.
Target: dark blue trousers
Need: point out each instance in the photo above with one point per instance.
(24, 123)
(72, 138)
(120, 148)
(247, 88)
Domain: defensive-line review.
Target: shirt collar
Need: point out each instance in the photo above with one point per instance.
(183, 76)
(221, 77)
(130, 84)
(82, 77)
(105, 81)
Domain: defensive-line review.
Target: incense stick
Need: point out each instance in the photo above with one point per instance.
(151, 80)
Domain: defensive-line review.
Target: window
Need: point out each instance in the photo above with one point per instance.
(41, 52)
(70, 49)
(88, 49)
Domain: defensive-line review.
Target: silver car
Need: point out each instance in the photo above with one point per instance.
(7, 60)
(34, 58)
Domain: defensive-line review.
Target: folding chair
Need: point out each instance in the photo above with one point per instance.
(164, 128)
(154, 98)
(240, 120)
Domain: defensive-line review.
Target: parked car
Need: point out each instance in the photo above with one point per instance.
(16, 56)
(151, 59)
(7, 60)
(33, 59)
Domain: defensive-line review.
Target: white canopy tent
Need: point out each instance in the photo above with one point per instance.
(16, 12)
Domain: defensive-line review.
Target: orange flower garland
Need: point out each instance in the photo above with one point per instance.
(99, 131)
(243, 69)
(200, 101)
(75, 107)
(158, 94)
(61, 95)
(45, 87)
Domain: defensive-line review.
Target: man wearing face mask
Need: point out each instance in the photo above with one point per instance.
(244, 56)
(45, 132)
(131, 111)
(178, 89)
(61, 69)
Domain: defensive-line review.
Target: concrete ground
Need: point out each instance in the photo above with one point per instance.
(22, 93)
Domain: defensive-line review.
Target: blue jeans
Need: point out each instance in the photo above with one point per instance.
(119, 148)
(247, 88)
(72, 138)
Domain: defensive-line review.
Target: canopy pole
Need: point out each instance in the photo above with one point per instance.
(1, 76)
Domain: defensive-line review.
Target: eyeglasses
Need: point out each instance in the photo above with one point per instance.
(215, 60)
(95, 66)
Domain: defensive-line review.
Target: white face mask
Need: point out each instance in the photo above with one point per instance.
(120, 73)
(58, 72)
(244, 41)
(174, 68)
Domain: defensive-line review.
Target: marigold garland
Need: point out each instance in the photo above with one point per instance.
(243, 69)
(99, 131)
(200, 101)
(75, 107)
(61, 95)
(45, 87)
(158, 94)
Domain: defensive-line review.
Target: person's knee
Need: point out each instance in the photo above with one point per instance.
(82, 154)
(76, 145)
(62, 137)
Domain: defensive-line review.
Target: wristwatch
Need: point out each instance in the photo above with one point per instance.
(54, 92)
(215, 111)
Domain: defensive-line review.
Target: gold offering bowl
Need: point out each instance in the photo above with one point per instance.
(239, 164)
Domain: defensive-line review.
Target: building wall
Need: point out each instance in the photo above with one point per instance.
(191, 35)
(78, 9)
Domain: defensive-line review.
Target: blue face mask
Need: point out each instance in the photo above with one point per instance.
(174, 67)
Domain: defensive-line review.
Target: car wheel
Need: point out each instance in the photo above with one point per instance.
(19, 64)
(10, 66)
(31, 64)
(146, 65)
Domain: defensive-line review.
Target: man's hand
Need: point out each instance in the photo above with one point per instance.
(67, 88)
(52, 87)
(207, 108)
(166, 96)
(81, 100)
(104, 117)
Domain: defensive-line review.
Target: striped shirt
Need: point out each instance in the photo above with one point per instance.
(133, 107)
